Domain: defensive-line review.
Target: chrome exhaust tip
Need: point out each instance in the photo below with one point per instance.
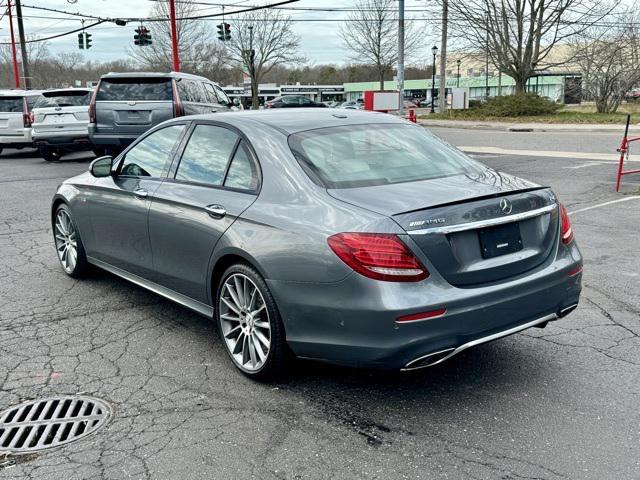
(566, 311)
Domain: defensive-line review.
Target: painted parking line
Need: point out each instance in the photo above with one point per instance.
(585, 165)
(603, 157)
(604, 204)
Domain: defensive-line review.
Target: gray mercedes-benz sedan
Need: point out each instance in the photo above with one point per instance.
(345, 236)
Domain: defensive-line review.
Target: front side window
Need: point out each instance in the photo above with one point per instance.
(222, 97)
(243, 171)
(376, 154)
(151, 156)
(206, 155)
(211, 94)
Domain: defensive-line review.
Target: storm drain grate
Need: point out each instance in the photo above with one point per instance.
(50, 422)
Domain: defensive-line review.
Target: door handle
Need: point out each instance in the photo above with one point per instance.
(140, 193)
(215, 211)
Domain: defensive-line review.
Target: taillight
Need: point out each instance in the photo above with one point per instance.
(178, 111)
(379, 256)
(92, 106)
(32, 118)
(26, 116)
(567, 231)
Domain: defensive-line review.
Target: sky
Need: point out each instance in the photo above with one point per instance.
(319, 41)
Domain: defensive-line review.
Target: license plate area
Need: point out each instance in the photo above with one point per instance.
(500, 240)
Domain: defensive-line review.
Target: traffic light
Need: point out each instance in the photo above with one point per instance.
(220, 28)
(87, 40)
(142, 36)
(227, 32)
(81, 41)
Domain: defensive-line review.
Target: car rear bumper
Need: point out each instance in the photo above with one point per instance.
(22, 139)
(353, 322)
(111, 139)
(62, 139)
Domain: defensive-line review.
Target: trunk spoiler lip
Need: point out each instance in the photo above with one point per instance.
(481, 197)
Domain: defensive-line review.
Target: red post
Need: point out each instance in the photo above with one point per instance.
(14, 58)
(174, 37)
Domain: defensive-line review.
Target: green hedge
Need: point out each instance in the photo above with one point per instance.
(524, 104)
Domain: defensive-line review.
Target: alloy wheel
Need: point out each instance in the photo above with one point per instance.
(245, 323)
(66, 241)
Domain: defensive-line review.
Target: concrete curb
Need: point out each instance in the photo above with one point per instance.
(530, 127)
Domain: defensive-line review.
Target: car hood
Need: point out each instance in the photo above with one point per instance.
(405, 197)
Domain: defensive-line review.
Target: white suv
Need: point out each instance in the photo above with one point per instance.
(60, 122)
(15, 119)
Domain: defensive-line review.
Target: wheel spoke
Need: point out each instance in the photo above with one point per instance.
(252, 351)
(245, 349)
(260, 336)
(234, 296)
(229, 317)
(232, 333)
(238, 346)
(239, 291)
(72, 258)
(258, 348)
(256, 312)
(231, 307)
(261, 324)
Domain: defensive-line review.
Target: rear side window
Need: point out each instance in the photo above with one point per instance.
(207, 154)
(191, 91)
(376, 154)
(151, 156)
(63, 99)
(211, 94)
(135, 89)
(11, 104)
(243, 172)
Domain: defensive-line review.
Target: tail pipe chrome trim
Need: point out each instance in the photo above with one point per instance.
(442, 355)
(566, 311)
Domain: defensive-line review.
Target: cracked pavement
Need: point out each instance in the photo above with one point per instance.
(554, 403)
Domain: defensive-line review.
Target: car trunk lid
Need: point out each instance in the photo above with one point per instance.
(474, 229)
(53, 119)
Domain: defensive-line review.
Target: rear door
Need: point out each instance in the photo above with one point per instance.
(133, 105)
(11, 115)
(119, 205)
(216, 179)
(62, 111)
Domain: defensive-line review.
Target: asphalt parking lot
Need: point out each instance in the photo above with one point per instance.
(557, 403)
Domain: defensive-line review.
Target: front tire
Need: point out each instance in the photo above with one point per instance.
(69, 247)
(250, 325)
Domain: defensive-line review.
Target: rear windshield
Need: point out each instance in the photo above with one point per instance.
(11, 104)
(376, 154)
(63, 99)
(125, 89)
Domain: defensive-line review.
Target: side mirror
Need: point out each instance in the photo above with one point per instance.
(101, 167)
(236, 102)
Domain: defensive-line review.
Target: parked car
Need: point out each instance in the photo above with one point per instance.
(352, 105)
(293, 101)
(333, 103)
(126, 105)
(358, 239)
(60, 121)
(15, 118)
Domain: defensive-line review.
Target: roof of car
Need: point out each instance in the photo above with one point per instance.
(19, 92)
(291, 121)
(153, 75)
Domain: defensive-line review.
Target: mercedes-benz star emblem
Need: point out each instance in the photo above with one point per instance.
(506, 206)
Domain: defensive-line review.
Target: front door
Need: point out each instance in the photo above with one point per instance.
(119, 205)
(215, 181)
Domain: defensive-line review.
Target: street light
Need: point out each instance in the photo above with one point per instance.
(458, 82)
(434, 50)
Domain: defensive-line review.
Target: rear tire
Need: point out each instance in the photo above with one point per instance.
(69, 246)
(50, 154)
(250, 325)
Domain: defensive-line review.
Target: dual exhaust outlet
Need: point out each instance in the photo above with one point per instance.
(435, 358)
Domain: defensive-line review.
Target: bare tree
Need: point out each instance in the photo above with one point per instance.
(197, 47)
(519, 34)
(609, 58)
(269, 35)
(371, 34)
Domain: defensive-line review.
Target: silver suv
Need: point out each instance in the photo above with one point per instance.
(15, 118)
(60, 121)
(126, 105)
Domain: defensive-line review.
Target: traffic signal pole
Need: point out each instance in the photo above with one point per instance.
(174, 37)
(14, 57)
(400, 72)
(23, 47)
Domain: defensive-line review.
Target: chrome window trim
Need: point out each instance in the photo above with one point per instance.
(485, 223)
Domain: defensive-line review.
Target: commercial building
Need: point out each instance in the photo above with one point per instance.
(269, 91)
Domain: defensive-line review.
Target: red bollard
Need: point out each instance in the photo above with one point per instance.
(412, 116)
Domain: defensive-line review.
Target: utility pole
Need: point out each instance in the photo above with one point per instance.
(442, 98)
(174, 37)
(14, 57)
(401, 54)
(23, 47)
